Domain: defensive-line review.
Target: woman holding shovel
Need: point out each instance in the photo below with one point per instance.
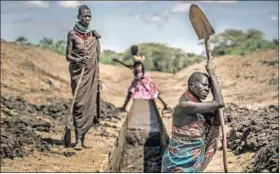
(195, 128)
(82, 53)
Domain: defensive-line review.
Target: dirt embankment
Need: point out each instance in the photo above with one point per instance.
(250, 80)
(41, 76)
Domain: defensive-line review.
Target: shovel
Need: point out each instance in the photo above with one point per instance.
(68, 126)
(67, 129)
(204, 30)
(120, 62)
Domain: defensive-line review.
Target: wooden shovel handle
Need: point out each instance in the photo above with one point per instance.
(221, 115)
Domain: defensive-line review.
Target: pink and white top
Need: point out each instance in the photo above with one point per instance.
(143, 88)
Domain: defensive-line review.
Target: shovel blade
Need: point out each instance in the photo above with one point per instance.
(67, 137)
(200, 23)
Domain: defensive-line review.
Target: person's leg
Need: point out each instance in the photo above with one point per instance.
(163, 103)
(211, 142)
(128, 96)
(143, 71)
(78, 144)
(83, 142)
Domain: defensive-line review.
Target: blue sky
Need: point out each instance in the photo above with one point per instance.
(123, 23)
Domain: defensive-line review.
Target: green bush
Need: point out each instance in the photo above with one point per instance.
(105, 60)
(237, 42)
(159, 57)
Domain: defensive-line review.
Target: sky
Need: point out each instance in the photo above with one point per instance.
(124, 23)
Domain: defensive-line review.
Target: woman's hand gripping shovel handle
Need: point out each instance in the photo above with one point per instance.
(204, 30)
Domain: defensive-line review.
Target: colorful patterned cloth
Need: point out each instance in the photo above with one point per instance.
(191, 147)
(142, 87)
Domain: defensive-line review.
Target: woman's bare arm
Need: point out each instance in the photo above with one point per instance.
(210, 106)
(69, 49)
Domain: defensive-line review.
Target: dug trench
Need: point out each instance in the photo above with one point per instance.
(145, 138)
(32, 133)
(30, 138)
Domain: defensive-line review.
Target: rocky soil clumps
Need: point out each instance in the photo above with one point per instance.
(267, 159)
(21, 122)
(255, 131)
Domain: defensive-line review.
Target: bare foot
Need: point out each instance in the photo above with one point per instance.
(78, 145)
(166, 107)
(122, 109)
(83, 143)
(85, 146)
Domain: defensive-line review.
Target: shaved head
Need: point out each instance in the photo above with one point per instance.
(82, 8)
(198, 84)
(84, 15)
(196, 77)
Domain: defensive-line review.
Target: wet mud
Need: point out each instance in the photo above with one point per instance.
(22, 122)
(255, 131)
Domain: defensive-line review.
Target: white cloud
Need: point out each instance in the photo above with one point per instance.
(159, 19)
(207, 1)
(156, 17)
(69, 4)
(23, 20)
(142, 1)
(220, 2)
(273, 17)
(184, 6)
(152, 18)
(181, 7)
(37, 4)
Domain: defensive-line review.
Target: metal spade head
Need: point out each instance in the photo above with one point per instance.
(200, 23)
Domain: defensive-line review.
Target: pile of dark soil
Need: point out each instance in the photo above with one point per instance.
(108, 110)
(267, 159)
(56, 109)
(255, 131)
(21, 122)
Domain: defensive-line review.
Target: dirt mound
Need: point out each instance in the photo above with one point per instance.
(267, 159)
(32, 72)
(21, 121)
(40, 75)
(255, 131)
(252, 129)
(108, 110)
(15, 137)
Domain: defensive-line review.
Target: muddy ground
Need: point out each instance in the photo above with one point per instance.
(22, 122)
(255, 131)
